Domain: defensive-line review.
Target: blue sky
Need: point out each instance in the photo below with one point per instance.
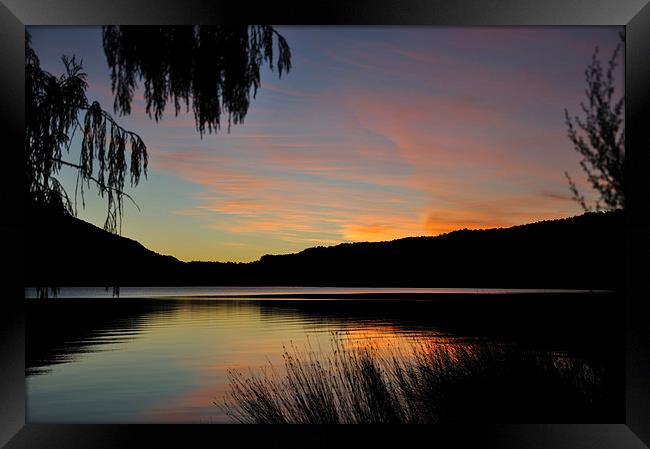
(376, 133)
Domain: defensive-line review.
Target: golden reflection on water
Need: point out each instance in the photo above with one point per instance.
(174, 365)
(237, 336)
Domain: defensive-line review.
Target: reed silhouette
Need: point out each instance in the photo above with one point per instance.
(585, 328)
(430, 383)
(59, 330)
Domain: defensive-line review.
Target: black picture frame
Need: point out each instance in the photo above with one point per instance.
(633, 14)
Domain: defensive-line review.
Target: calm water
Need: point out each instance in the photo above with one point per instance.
(162, 355)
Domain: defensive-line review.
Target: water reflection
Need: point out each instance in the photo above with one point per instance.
(146, 360)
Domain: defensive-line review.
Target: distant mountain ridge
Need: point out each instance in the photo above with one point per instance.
(586, 251)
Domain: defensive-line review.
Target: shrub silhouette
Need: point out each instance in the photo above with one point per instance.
(600, 136)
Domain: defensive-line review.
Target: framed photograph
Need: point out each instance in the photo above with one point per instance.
(243, 225)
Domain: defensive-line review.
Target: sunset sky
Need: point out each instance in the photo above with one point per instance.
(376, 133)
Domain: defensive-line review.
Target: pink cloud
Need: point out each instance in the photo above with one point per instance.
(377, 167)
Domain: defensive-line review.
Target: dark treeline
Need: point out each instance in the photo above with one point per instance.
(584, 252)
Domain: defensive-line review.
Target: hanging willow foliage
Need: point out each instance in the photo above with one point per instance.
(215, 69)
(56, 107)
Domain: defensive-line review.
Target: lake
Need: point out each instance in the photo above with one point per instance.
(162, 355)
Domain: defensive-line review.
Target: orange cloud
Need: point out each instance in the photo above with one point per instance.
(377, 166)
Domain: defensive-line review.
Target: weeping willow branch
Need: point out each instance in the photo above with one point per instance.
(105, 142)
(213, 69)
(98, 182)
(56, 108)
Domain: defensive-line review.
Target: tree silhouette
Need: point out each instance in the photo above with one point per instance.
(216, 69)
(600, 136)
(56, 108)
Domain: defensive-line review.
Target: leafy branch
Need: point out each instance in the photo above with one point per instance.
(600, 136)
(215, 69)
(54, 107)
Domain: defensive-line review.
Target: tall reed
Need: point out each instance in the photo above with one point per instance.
(428, 382)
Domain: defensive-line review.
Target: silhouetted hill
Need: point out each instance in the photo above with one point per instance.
(64, 251)
(586, 251)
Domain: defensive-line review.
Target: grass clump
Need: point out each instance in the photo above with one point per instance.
(429, 382)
